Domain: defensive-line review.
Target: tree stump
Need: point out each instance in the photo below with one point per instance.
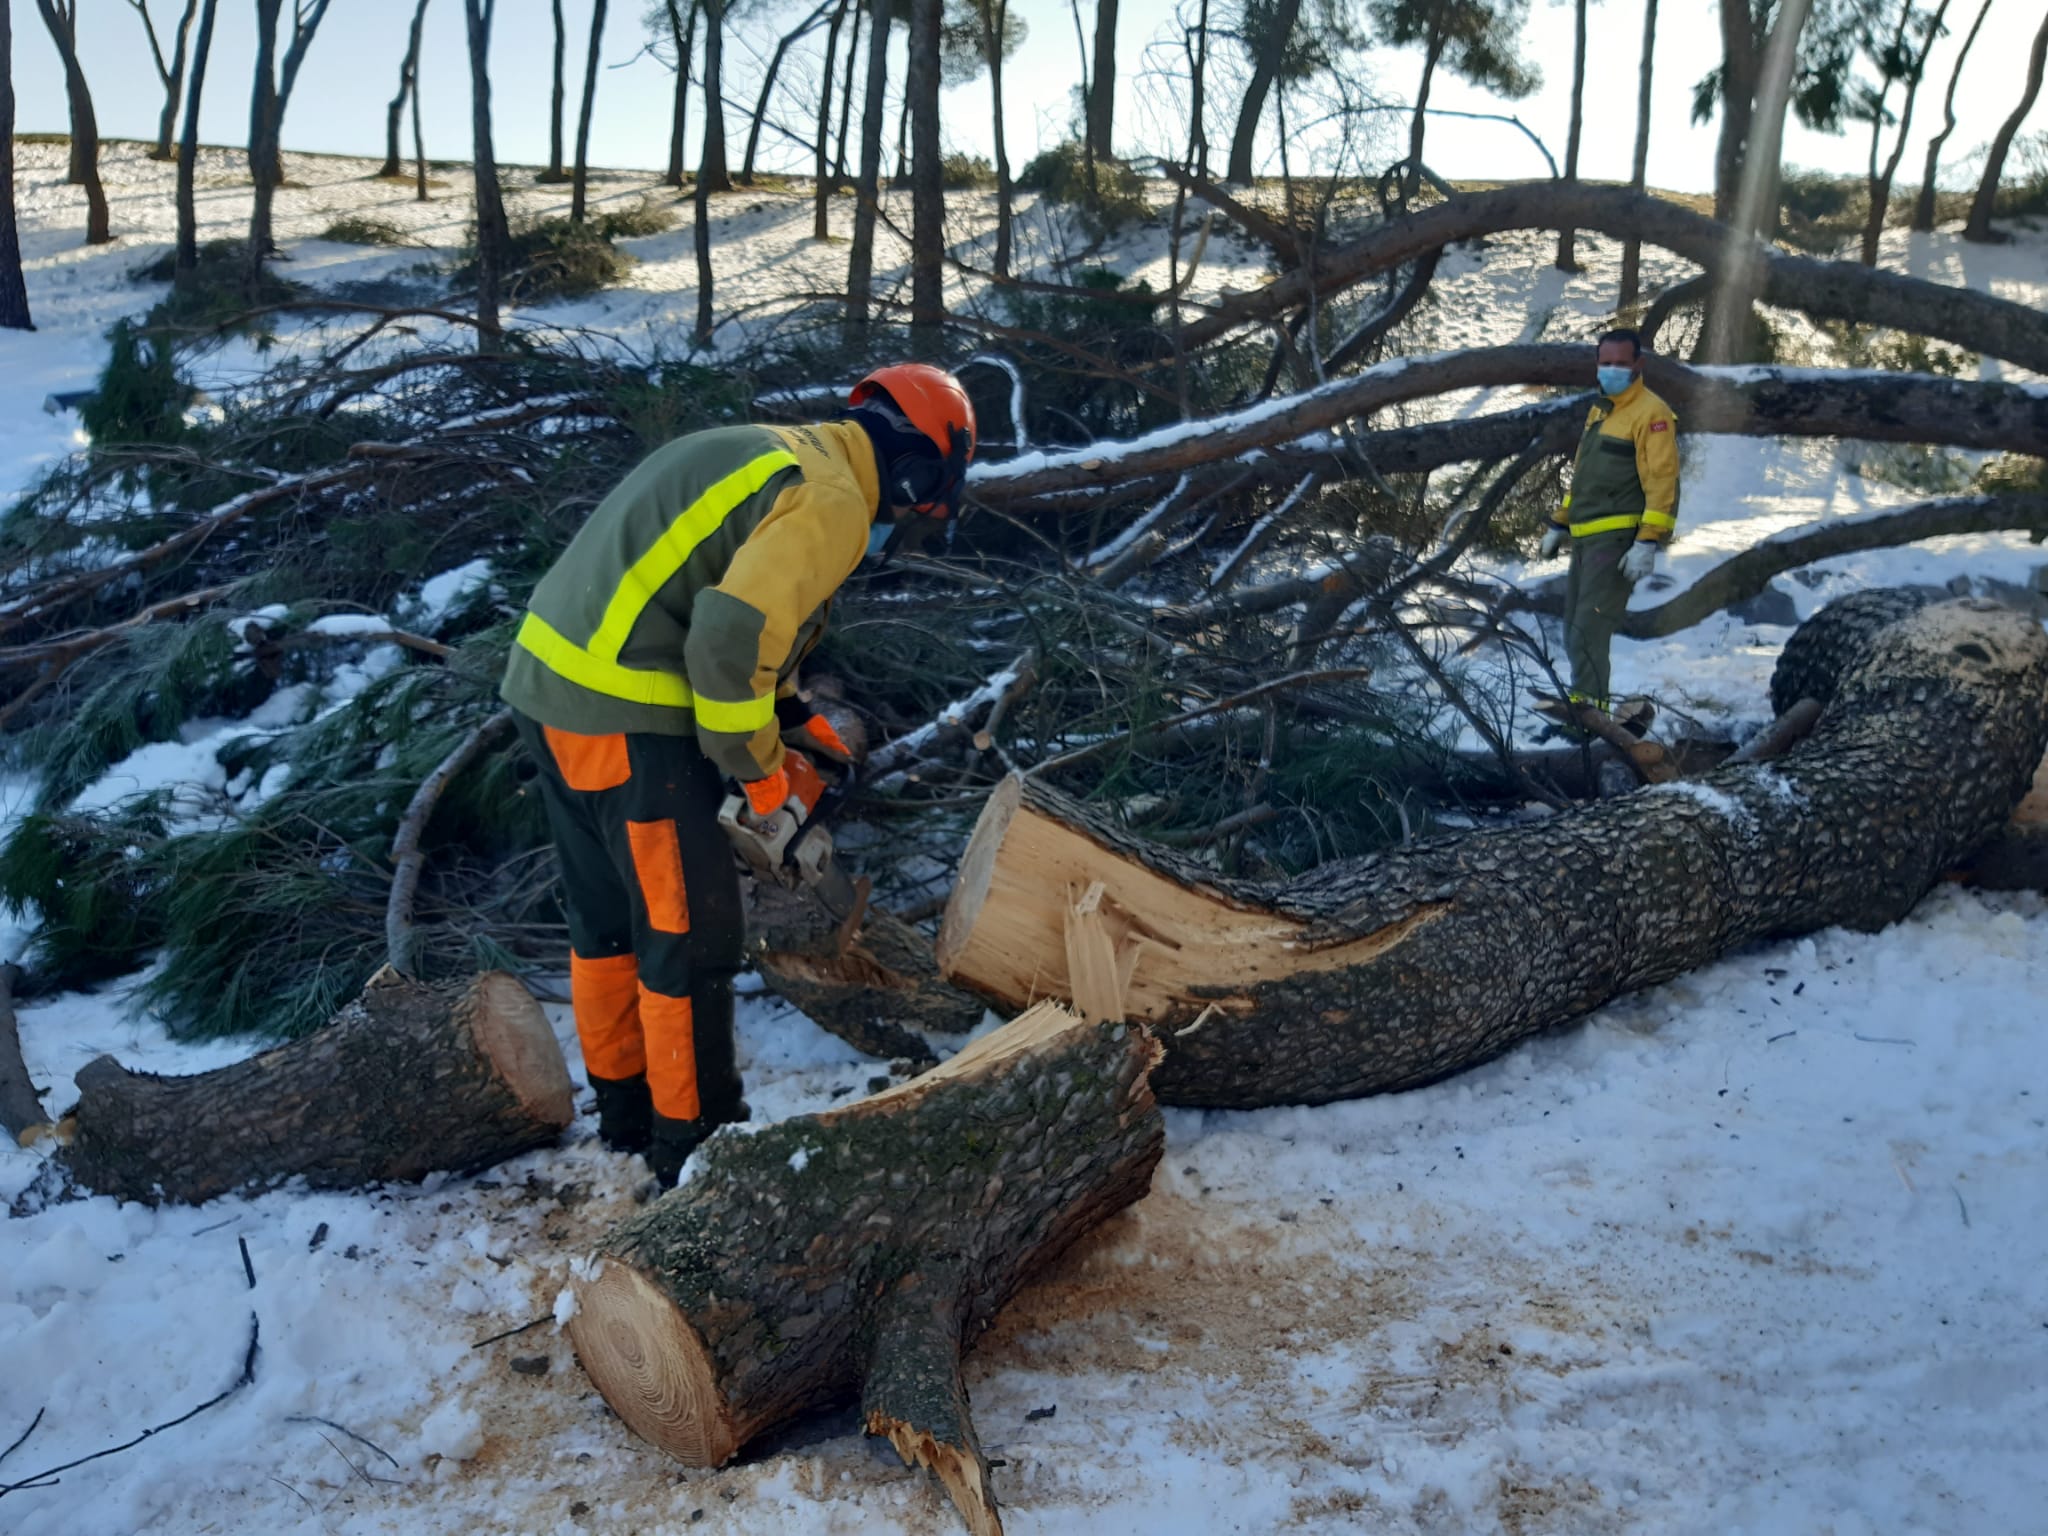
(405, 1080)
(1367, 975)
(862, 1248)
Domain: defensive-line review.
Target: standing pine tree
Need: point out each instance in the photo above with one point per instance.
(821, 177)
(1287, 45)
(493, 233)
(1476, 40)
(860, 261)
(554, 172)
(927, 187)
(408, 87)
(1639, 167)
(1982, 205)
(13, 290)
(1567, 250)
(1923, 201)
(171, 72)
(1102, 84)
(61, 17)
(187, 259)
(582, 173)
(1903, 59)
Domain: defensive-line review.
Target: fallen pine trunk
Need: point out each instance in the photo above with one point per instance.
(1366, 975)
(405, 1080)
(863, 1248)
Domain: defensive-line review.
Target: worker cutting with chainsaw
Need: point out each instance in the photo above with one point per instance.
(658, 661)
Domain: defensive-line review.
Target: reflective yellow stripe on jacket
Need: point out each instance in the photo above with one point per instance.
(596, 666)
(1595, 525)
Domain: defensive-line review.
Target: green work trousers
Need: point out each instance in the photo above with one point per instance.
(1595, 598)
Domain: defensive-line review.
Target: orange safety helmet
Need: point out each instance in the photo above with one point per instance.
(930, 397)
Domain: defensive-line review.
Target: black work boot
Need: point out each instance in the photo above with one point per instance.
(670, 1146)
(625, 1112)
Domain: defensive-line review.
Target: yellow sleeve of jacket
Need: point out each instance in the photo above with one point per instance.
(743, 630)
(1657, 469)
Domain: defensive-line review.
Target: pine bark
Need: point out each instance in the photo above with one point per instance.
(1638, 179)
(1923, 201)
(264, 128)
(1244, 142)
(581, 175)
(1371, 975)
(927, 185)
(862, 1249)
(493, 233)
(187, 258)
(860, 261)
(1567, 245)
(1985, 203)
(14, 313)
(405, 1080)
(61, 17)
(554, 171)
(1101, 124)
(711, 168)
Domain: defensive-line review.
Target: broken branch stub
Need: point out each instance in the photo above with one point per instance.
(863, 1248)
(1367, 975)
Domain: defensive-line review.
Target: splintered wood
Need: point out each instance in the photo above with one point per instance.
(1043, 909)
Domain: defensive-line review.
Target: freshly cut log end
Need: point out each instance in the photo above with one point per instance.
(854, 1251)
(1371, 975)
(651, 1366)
(406, 1080)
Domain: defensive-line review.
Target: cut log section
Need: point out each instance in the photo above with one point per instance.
(1366, 975)
(405, 1080)
(861, 1249)
(881, 992)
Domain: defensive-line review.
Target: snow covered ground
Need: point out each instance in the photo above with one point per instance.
(1760, 1250)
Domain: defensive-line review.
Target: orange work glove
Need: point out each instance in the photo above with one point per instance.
(807, 731)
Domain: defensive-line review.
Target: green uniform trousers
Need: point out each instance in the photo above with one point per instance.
(1595, 598)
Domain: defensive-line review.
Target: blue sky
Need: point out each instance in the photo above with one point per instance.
(352, 69)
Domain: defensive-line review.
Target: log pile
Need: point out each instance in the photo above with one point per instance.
(1369, 975)
(862, 1249)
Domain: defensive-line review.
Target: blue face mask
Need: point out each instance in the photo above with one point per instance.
(1614, 378)
(877, 537)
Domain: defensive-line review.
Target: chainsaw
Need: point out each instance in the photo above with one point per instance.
(797, 855)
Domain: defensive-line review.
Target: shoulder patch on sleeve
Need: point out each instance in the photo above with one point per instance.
(1659, 426)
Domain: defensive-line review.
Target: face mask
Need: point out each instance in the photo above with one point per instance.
(1614, 378)
(877, 537)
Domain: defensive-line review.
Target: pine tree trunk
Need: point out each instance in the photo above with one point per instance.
(860, 261)
(174, 81)
(1198, 76)
(555, 173)
(839, 164)
(860, 1249)
(1738, 103)
(685, 38)
(1978, 227)
(711, 170)
(995, 28)
(493, 235)
(821, 165)
(1264, 72)
(768, 78)
(14, 315)
(1370, 975)
(1880, 181)
(187, 258)
(85, 130)
(927, 186)
(582, 172)
(263, 149)
(419, 137)
(1632, 248)
(1411, 179)
(1567, 252)
(408, 87)
(1729, 333)
(1923, 202)
(1102, 84)
(405, 1080)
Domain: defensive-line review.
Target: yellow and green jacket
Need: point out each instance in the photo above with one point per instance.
(685, 602)
(1626, 472)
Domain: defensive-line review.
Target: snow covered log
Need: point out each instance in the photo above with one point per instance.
(860, 1250)
(405, 1080)
(1366, 975)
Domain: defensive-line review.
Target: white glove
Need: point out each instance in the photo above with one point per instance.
(1640, 560)
(1553, 541)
